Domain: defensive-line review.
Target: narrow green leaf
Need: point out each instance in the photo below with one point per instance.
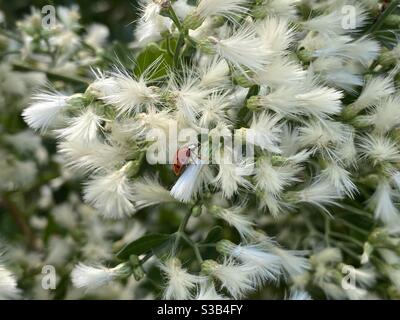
(214, 235)
(142, 245)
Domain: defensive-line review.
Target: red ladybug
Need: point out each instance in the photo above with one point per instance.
(182, 158)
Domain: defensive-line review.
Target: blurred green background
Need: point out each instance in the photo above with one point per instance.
(118, 15)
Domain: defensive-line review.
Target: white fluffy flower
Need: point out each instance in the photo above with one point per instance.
(382, 202)
(339, 179)
(82, 128)
(264, 132)
(149, 10)
(45, 110)
(111, 194)
(276, 34)
(320, 193)
(293, 262)
(299, 295)
(386, 115)
(213, 73)
(226, 8)
(180, 283)
(187, 95)
(188, 184)
(149, 192)
(318, 101)
(213, 111)
(235, 278)
(379, 149)
(281, 72)
(207, 291)
(8, 285)
(92, 277)
(243, 49)
(93, 157)
(232, 176)
(374, 90)
(281, 8)
(323, 137)
(331, 24)
(234, 217)
(273, 179)
(130, 95)
(267, 266)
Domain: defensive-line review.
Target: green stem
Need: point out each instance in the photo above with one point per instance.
(10, 35)
(379, 23)
(194, 247)
(348, 251)
(327, 230)
(181, 231)
(174, 17)
(52, 74)
(352, 226)
(178, 48)
(4, 54)
(355, 210)
(146, 258)
(347, 238)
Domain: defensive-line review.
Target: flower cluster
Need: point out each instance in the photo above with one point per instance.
(295, 103)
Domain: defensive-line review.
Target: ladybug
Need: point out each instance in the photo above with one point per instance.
(182, 158)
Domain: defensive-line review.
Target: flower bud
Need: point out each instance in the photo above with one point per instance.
(192, 21)
(254, 103)
(208, 266)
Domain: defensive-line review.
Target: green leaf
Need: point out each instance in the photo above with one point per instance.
(147, 58)
(142, 245)
(214, 235)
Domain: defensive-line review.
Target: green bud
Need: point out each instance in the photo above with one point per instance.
(392, 20)
(395, 134)
(368, 249)
(259, 11)
(3, 43)
(218, 21)
(350, 112)
(361, 122)
(207, 46)
(254, 103)
(291, 197)
(371, 180)
(135, 165)
(192, 21)
(387, 59)
(214, 210)
(136, 268)
(208, 266)
(243, 81)
(277, 160)
(138, 273)
(394, 293)
(305, 56)
(196, 211)
(225, 247)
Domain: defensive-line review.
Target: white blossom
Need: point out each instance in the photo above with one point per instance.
(267, 266)
(180, 283)
(82, 128)
(8, 285)
(92, 277)
(111, 194)
(235, 278)
(45, 110)
(130, 95)
(224, 8)
(242, 48)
